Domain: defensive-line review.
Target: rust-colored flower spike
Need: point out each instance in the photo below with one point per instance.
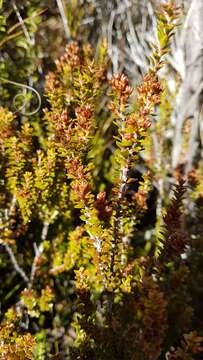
(150, 90)
(120, 85)
(102, 206)
(80, 181)
(83, 115)
(63, 127)
(71, 56)
(84, 112)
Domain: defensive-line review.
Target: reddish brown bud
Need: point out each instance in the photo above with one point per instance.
(101, 204)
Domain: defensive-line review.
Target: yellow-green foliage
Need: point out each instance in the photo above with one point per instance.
(12, 345)
(83, 280)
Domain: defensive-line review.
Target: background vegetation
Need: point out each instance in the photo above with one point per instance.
(101, 180)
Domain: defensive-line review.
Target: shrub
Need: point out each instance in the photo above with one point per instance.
(82, 280)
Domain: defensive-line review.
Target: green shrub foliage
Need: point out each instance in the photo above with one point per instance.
(86, 273)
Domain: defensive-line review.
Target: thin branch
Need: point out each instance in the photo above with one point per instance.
(19, 270)
(15, 263)
(39, 250)
(64, 19)
(21, 21)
